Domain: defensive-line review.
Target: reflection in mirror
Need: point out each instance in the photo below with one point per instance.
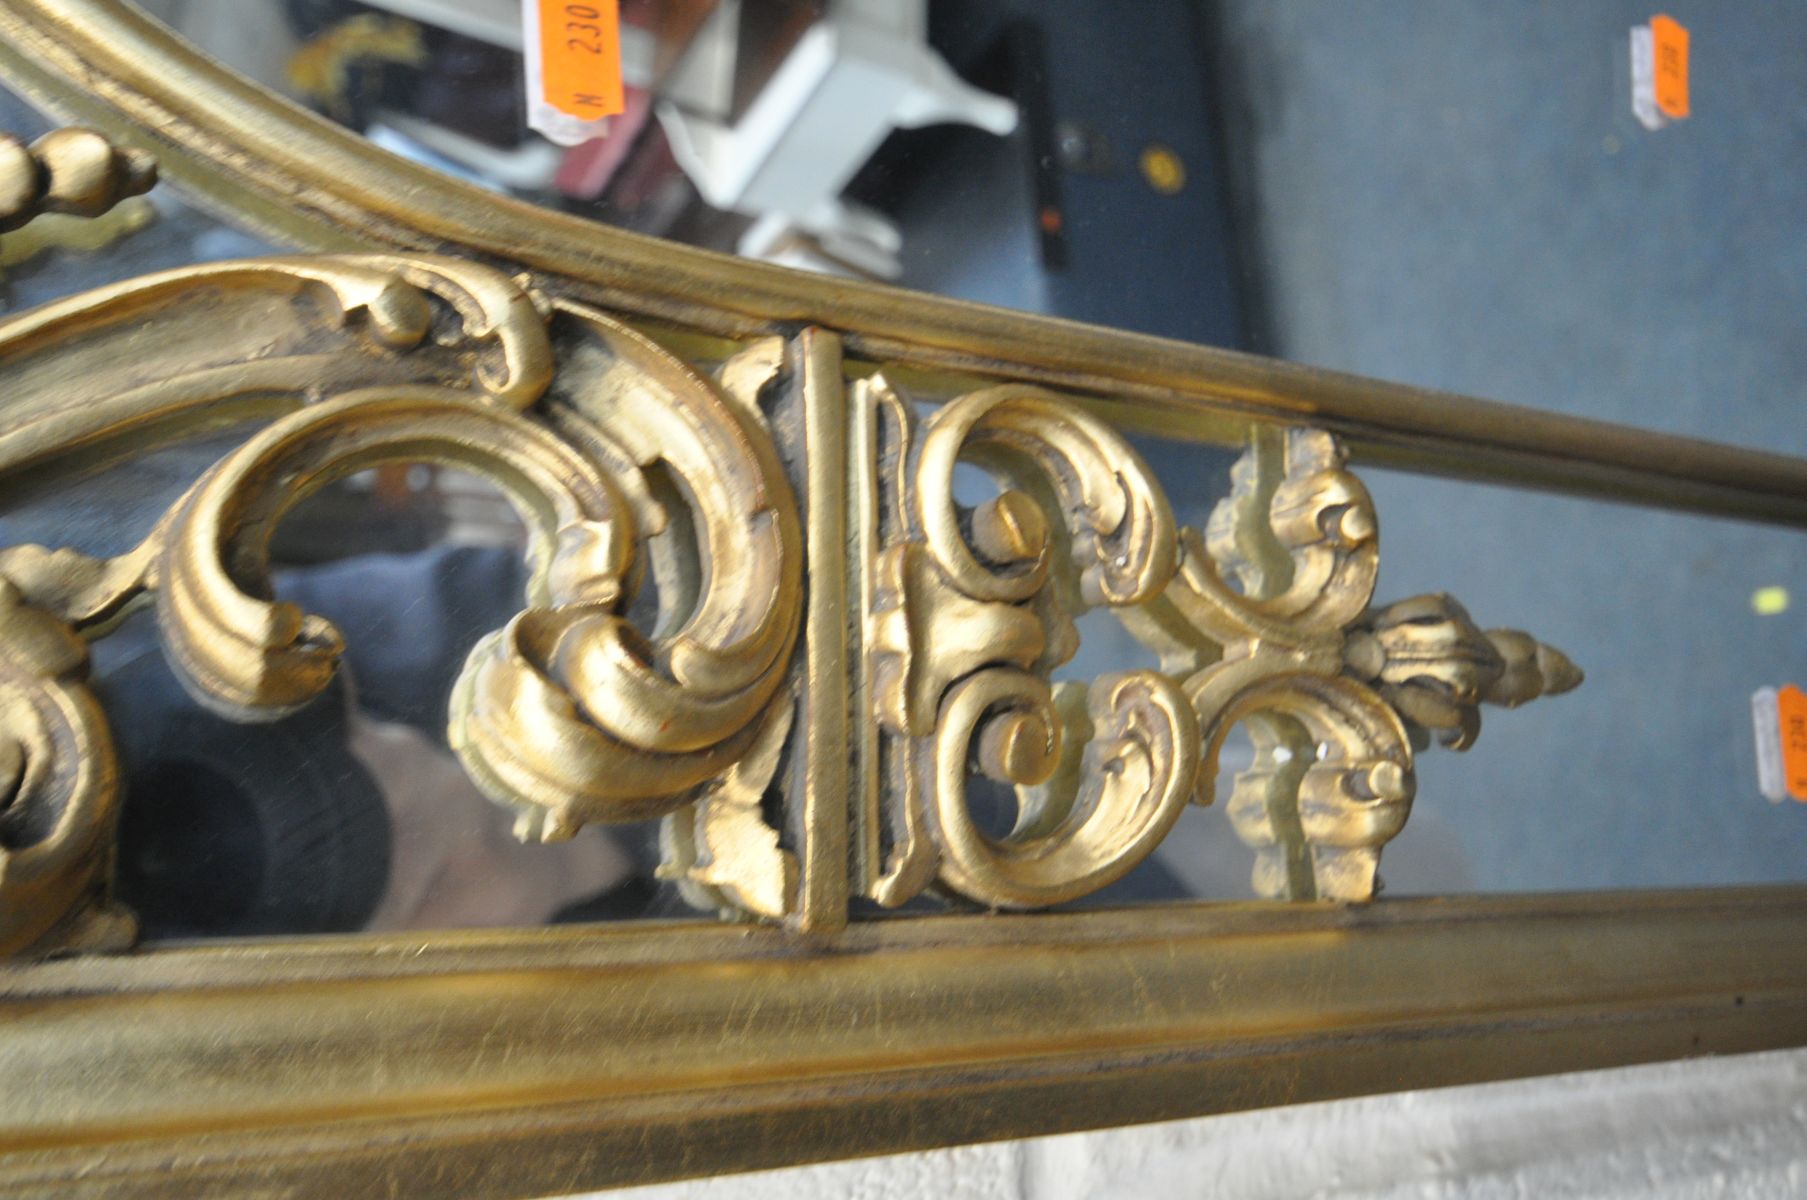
(985, 149)
(57, 255)
(351, 813)
(1646, 776)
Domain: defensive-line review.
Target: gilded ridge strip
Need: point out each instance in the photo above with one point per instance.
(863, 497)
(826, 725)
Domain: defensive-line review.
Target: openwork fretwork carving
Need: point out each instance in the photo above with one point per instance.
(1261, 621)
(932, 684)
(971, 610)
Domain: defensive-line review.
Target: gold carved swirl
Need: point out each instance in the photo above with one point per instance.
(1317, 826)
(1333, 697)
(256, 658)
(163, 354)
(58, 774)
(570, 713)
(1313, 530)
(1136, 773)
(974, 606)
(1121, 526)
(1260, 622)
(634, 470)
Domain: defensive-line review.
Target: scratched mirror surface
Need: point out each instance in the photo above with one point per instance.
(1300, 662)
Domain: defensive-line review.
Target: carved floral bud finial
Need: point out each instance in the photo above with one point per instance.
(1432, 663)
(1532, 670)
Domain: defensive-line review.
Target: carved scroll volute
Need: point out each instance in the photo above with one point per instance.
(57, 770)
(746, 570)
(256, 659)
(114, 372)
(1299, 530)
(571, 715)
(58, 773)
(1330, 785)
(1332, 778)
(973, 609)
(1119, 520)
(1076, 830)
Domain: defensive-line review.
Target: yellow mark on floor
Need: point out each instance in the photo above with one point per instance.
(1769, 601)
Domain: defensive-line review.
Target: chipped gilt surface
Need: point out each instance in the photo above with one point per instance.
(572, 714)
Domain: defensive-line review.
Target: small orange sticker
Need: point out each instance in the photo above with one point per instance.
(1791, 705)
(1670, 43)
(580, 57)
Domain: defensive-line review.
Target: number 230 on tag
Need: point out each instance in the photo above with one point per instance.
(573, 53)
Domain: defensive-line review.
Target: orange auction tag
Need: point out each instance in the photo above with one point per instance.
(573, 52)
(1670, 50)
(1791, 709)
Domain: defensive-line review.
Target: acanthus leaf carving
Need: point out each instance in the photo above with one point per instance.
(571, 714)
(1137, 772)
(721, 851)
(259, 658)
(1430, 661)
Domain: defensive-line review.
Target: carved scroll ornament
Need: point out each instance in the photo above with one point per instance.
(633, 467)
(975, 606)
(569, 714)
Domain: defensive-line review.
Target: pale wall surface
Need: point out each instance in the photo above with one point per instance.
(1730, 1127)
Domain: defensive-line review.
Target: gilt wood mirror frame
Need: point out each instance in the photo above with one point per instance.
(854, 648)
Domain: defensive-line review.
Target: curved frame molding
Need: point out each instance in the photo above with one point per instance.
(305, 182)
